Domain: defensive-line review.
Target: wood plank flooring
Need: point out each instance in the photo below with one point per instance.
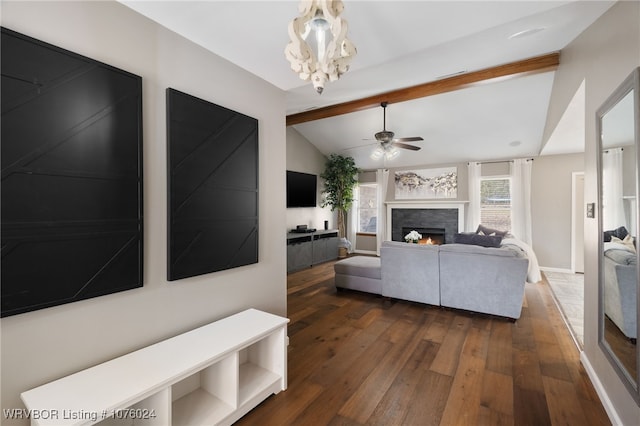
(361, 359)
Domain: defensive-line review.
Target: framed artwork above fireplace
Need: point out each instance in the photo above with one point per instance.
(426, 183)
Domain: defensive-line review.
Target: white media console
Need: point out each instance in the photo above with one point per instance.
(212, 375)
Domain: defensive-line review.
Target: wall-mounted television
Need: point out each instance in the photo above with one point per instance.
(301, 189)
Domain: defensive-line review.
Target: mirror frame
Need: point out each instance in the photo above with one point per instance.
(631, 83)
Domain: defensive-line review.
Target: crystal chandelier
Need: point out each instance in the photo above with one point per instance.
(319, 49)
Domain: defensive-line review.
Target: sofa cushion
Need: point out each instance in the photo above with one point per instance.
(410, 272)
(623, 257)
(475, 249)
(361, 266)
(478, 240)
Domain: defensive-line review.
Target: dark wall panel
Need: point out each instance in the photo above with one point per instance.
(213, 187)
(71, 160)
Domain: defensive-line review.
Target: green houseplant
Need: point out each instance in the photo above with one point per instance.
(340, 179)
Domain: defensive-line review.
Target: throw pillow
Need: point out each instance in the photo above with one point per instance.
(627, 242)
(620, 232)
(489, 231)
(478, 240)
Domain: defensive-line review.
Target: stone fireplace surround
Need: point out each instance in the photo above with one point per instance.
(424, 214)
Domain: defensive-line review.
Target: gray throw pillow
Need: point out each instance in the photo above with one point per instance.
(620, 232)
(489, 231)
(478, 240)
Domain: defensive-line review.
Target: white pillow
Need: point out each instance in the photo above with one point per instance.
(627, 242)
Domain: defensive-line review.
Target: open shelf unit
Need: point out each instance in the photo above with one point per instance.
(212, 375)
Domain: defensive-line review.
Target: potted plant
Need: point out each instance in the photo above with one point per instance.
(340, 179)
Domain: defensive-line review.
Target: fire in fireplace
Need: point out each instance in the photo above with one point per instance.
(429, 235)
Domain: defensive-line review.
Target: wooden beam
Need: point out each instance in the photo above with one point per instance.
(538, 64)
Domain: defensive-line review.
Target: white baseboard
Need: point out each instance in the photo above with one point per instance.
(604, 398)
(561, 270)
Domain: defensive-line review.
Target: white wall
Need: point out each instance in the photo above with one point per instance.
(304, 157)
(40, 346)
(551, 208)
(603, 56)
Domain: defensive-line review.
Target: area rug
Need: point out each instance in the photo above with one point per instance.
(568, 290)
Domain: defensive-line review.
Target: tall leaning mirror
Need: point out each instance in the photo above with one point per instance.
(618, 141)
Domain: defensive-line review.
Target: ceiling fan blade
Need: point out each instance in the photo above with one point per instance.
(405, 146)
(361, 146)
(410, 139)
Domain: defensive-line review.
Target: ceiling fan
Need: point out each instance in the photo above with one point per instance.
(388, 143)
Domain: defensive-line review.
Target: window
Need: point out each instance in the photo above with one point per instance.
(367, 196)
(495, 203)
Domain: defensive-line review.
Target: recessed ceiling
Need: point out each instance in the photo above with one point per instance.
(401, 44)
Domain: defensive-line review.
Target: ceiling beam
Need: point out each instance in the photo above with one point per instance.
(538, 64)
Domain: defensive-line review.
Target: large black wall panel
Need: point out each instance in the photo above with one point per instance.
(213, 187)
(71, 176)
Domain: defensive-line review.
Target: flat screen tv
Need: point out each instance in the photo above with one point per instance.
(301, 189)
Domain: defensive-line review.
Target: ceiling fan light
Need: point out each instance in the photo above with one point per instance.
(391, 153)
(377, 153)
(387, 145)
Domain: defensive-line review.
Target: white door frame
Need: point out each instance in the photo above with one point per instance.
(574, 231)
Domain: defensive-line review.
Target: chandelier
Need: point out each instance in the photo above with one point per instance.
(319, 49)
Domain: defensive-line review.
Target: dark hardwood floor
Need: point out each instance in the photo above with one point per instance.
(357, 358)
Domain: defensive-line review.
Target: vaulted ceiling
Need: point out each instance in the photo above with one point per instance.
(420, 47)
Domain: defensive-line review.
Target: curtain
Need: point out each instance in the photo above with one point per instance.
(521, 199)
(382, 180)
(473, 216)
(352, 221)
(612, 201)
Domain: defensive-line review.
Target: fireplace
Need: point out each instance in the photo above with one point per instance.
(425, 215)
(430, 236)
(404, 220)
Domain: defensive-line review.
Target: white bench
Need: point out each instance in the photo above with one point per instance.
(214, 374)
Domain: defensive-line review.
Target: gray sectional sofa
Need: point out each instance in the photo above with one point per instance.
(621, 292)
(480, 279)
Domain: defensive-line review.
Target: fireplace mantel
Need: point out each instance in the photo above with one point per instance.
(425, 204)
